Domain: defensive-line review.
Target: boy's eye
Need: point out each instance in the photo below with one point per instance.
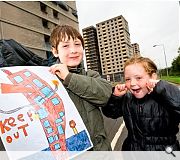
(127, 79)
(77, 44)
(64, 46)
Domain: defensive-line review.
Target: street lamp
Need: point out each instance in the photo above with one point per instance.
(164, 57)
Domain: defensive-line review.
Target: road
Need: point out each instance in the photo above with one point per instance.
(117, 132)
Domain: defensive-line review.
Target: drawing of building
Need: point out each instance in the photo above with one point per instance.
(46, 102)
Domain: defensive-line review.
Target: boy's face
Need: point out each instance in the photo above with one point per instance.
(70, 52)
(136, 79)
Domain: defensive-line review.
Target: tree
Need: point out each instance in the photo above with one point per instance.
(175, 69)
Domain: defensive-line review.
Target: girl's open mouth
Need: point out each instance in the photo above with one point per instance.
(136, 90)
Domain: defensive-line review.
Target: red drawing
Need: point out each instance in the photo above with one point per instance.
(46, 102)
(11, 88)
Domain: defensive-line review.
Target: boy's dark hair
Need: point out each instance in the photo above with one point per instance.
(60, 33)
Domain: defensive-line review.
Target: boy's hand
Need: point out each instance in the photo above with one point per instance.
(61, 70)
(151, 84)
(120, 89)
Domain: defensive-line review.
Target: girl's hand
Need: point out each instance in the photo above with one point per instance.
(120, 89)
(61, 70)
(151, 84)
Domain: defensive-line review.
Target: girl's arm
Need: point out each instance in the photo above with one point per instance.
(113, 108)
(168, 94)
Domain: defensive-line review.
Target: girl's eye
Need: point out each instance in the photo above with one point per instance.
(77, 44)
(138, 78)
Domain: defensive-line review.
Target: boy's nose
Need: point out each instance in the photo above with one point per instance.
(73, 49)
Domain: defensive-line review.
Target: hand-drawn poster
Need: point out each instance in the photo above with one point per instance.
(37, 114)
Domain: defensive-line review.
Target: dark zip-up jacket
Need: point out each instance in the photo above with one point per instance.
(152, 122)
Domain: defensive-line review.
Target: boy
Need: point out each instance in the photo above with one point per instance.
(87, 90)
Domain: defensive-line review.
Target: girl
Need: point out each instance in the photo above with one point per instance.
(150, 107)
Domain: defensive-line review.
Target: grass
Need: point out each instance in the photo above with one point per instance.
(173, 79)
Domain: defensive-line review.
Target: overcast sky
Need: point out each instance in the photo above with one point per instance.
(150, 23)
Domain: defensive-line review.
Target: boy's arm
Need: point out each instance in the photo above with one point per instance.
(90, 87)
(168, 94)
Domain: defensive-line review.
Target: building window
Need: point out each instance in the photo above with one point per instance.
(46, 38)
(47, 92)
(74, 12)
(27, 74)
(54, 2)
(50, 139)
(46, 123)
(59, 120)
(43, 7)
(45, 23)
(55, 101)
(18, 79)
(63, 5)
(49, 130)
(55, 14)
(37, 83)
(60, 130)
(39, 100)
(57, 146)
(42, 113)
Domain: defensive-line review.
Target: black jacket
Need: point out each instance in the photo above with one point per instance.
(13, 53)
(152, 122)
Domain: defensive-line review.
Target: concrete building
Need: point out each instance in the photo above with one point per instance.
(31, 22)
(136, 49)
(114, 47)
(91, 49)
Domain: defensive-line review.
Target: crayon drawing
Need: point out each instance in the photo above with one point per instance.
(36, 113)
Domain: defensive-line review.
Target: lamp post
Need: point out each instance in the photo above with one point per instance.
(164, 57)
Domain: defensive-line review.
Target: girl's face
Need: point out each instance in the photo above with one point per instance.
(70, 52)
(136, 79)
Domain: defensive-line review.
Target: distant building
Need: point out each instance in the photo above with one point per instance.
(136, 49)
(31, 22)
(91, 49)
(114, 47)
